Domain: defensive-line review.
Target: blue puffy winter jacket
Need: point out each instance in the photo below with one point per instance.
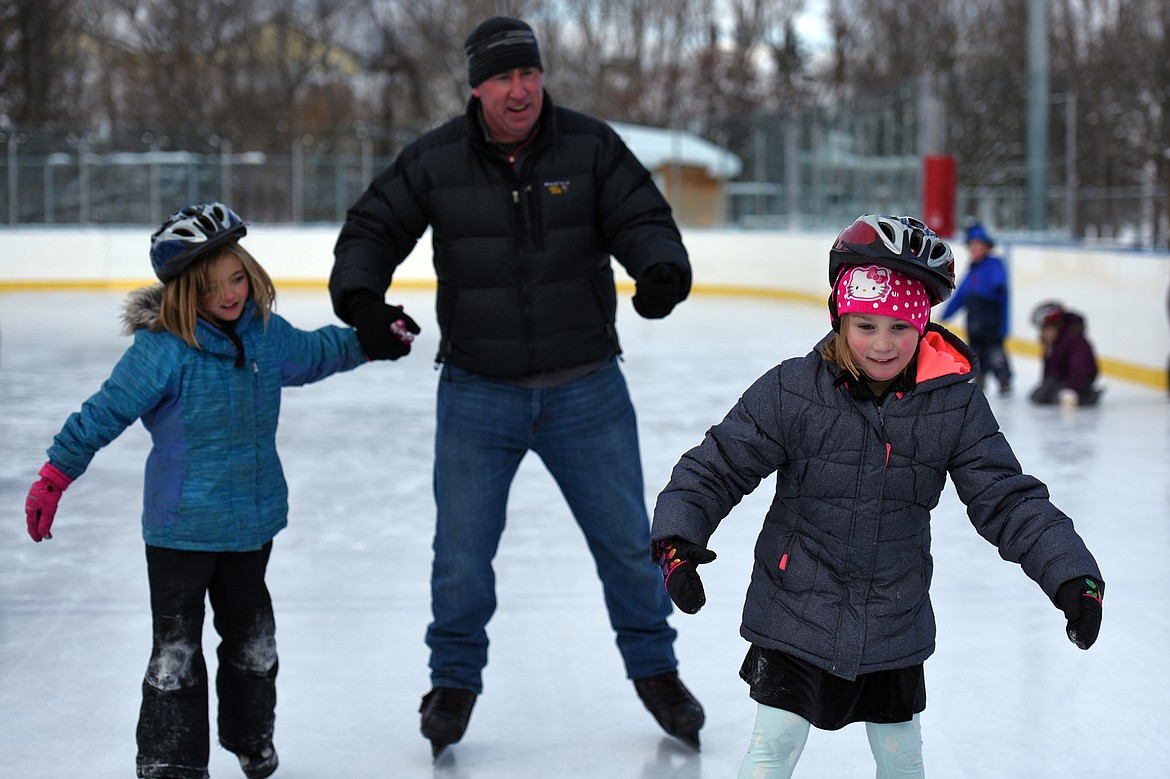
(213, 479)
(984, 293)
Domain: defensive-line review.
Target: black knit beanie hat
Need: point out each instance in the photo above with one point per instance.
(498, 44)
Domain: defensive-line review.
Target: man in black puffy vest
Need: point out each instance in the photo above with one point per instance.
(527, 203)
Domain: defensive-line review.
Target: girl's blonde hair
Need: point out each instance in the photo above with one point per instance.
(836, 350)
(180, 311)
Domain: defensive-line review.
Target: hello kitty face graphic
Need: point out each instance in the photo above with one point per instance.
(877, 290)
(867, 283)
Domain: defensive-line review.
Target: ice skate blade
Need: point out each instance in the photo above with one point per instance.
(438, 749)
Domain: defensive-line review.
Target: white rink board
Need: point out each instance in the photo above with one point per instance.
(1122, 293)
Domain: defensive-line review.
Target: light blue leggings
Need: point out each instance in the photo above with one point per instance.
(779, 737)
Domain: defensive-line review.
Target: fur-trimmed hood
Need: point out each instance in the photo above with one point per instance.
(140, 310)
(214, 478)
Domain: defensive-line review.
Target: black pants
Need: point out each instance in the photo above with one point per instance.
(1048, 393)
(173, 732)
(992, 359)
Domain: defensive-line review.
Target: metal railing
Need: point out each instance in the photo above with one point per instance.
(802, 177)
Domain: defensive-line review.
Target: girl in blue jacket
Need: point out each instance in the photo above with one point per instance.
(204, 375)
(862, 434)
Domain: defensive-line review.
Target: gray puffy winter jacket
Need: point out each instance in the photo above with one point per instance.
(842, 565)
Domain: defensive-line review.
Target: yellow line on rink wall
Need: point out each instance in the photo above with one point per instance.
(126, 285)
(1117, 369)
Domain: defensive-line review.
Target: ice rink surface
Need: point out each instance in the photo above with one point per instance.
(1008, 695)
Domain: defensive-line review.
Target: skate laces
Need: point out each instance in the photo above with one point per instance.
(665, 689)
(448, 702)
(261, 764)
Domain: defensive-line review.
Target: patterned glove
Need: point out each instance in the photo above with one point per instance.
(677, 558)
(41, 504)
(384, 331)
(1080, 600)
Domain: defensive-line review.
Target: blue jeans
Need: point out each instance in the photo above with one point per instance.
(585, 433)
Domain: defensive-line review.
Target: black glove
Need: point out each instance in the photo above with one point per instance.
(384, 331)
(677, 559)
(1080, 600)
(658, 291)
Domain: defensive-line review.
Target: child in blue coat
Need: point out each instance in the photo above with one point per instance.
(862, 434)
(985, 293)
(204, 374)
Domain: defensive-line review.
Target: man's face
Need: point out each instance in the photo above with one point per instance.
(511, 103)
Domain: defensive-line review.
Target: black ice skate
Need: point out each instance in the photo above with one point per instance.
(260, 765)
(672, 705)
(444, 715)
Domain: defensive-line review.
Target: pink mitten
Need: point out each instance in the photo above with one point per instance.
(41, 505)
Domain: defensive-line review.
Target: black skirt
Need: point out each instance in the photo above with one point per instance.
(829, 702)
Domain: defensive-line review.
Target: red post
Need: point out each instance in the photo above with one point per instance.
(938, 193)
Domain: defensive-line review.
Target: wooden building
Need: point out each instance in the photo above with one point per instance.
(691, 171)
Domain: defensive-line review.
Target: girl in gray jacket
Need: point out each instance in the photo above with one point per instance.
(862, 434)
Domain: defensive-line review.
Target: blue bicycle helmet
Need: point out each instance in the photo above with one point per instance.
(189, 234)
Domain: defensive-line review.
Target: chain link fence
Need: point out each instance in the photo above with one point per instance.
(811, 169)
(85, 177)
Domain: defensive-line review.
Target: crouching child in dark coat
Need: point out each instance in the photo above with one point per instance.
(1070, 363)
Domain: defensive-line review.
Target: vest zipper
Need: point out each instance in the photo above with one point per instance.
(882, 428)
(523, 231)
